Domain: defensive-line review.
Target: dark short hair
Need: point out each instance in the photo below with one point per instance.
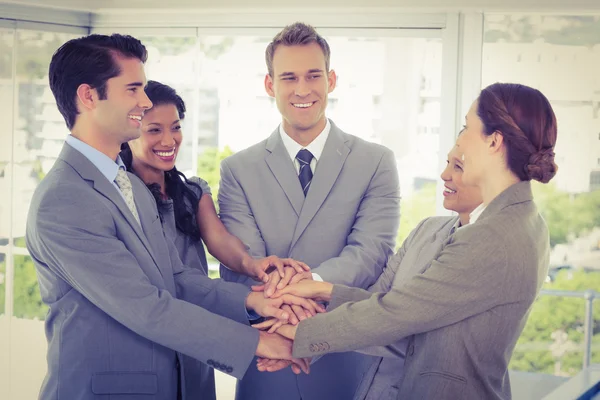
(525, 119)
(295, 35)
(160, 94)
(90, 60)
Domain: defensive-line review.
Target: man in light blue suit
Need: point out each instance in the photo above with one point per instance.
(122, 306)
(314, 193)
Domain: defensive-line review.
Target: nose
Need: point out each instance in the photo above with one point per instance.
(446, 175)
(302, 88)
(167, 139)
(144, 101)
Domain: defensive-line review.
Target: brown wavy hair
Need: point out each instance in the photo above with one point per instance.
(526, 121)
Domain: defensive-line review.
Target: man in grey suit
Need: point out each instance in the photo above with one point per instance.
(117, 323)
(314, 193)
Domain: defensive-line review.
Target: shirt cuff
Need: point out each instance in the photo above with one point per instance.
(316, 277)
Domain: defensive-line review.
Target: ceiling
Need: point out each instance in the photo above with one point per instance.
(529, 5)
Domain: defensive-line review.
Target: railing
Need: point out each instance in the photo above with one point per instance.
(589, 296)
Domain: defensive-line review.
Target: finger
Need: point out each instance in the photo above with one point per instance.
(258, 288)
(275, 326)
(297, 301)
(300, 313)
(302, 364)
(289, 273)
(296, 369)
(275, 312)
(293, 318)
(271, 286)
(277, 263)
(298, 277)
(262, 276)
(265, 324)
(296, 265)
(278, 365)
(318, 307)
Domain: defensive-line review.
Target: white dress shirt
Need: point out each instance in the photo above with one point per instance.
(316, 149)
(476, 213)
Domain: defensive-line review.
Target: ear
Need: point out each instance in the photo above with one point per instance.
(331, 81)
(495, 141)
(269, 85)
(86, 96)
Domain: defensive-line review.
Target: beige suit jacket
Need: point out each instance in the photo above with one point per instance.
(464, 313)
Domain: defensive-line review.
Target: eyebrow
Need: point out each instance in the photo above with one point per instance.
(310, 71)
(172, 123)
(135, 84)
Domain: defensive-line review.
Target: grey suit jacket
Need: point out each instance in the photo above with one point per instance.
(415, 255)
(463, 315)
(116, 322)
(344, 229)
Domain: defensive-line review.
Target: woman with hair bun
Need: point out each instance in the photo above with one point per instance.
(461, 315)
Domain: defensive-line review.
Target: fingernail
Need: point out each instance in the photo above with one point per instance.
(285, 316)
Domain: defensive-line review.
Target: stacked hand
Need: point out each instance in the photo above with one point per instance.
(292, 289)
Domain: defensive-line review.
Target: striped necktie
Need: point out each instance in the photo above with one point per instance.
(305, 174)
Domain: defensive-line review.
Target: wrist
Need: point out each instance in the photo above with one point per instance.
(246, 264)
(325, 290)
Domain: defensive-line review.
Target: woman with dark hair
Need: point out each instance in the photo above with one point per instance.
(461, 314)
(187, 210)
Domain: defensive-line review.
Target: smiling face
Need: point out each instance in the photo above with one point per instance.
(156, 149)
(119, 115)
(300, 85)
(458, 196)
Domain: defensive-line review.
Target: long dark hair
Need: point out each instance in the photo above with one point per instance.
(185, 200)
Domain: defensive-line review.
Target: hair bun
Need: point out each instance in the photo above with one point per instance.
(541, 166)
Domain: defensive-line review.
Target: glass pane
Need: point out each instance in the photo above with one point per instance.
(27, 299)
(554, 54)
(40, 130)
(6, 125)
(391, 95)
(28, 341)
(553, 339)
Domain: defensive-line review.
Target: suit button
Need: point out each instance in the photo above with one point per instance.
(229, 369)
(313, 347)
(411, 350)
(210, 362)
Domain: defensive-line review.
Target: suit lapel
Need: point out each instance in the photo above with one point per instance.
(89, 172)
(326, 173)
(282, 167)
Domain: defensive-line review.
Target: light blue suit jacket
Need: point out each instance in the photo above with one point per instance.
(116, 323)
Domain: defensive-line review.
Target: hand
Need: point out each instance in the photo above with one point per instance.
(259, 268)
(266, 364)
(278, 281)
(320, 291)
(272, 307)
(276, 326)
(276, 347)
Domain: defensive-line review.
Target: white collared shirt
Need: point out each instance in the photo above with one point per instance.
(476, 213)
(315, 147)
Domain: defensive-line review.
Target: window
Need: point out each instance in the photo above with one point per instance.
(557, 52)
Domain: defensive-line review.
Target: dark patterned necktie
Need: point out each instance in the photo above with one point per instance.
(305, 175)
